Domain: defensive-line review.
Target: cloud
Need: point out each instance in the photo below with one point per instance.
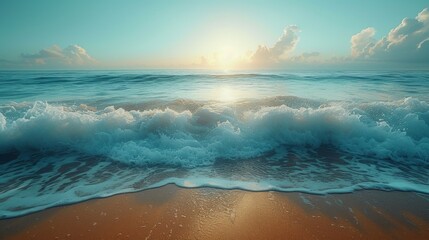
(408, 42)
(280, 55)
(306, 57)
(281, 49)
(362, 42)
(73, 55)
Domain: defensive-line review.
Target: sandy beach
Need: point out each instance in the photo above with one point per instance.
(171, 212)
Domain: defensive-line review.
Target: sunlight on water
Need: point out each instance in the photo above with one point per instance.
(227, 94)
(70, 136)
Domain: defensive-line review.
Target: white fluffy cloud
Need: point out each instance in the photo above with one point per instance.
(362, 42)
(284, 46)
(409, 41)
(73, 55)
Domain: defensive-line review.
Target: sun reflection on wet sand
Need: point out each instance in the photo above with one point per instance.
(176, 213)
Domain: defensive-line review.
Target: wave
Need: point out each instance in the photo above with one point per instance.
(395, 130)
(53, 154)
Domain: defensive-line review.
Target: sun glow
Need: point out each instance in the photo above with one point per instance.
(227, 94)
(226, 59)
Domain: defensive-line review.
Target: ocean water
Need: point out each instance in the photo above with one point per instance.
(68, 136)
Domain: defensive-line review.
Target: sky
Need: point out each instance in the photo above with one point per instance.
(252, 34)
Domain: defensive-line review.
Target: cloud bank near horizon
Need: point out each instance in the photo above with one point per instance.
(54, 56)
(71, 56)
(281, 49)
(407, 42)
(264, 56)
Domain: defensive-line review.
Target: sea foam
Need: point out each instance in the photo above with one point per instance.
(396, 131)
(96, 134)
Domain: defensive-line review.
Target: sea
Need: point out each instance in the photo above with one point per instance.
(70, 136)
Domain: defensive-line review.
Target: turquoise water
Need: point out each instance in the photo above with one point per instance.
(68, 136)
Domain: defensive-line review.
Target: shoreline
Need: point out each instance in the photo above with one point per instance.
(172, 212)
(215, 188)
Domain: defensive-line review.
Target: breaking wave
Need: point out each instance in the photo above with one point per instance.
(202, 132)
(100, 133)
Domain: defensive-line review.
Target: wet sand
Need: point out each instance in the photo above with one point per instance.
(171, 212)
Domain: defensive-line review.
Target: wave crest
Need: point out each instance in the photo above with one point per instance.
(396, 130)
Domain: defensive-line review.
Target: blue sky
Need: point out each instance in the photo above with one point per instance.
(117, 34)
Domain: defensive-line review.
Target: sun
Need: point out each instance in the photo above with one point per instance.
(225, 58)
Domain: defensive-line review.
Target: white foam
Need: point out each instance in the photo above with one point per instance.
(219, 131)
(2, 122)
